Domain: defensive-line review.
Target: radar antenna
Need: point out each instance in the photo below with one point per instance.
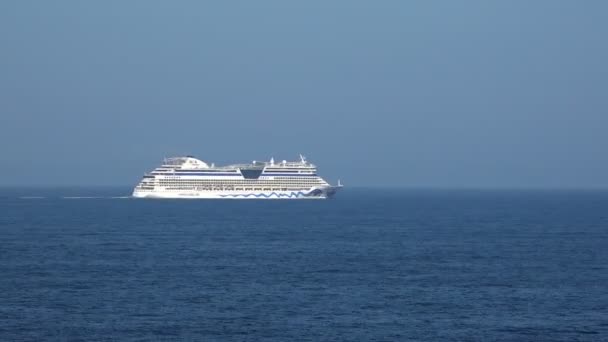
(303, 159)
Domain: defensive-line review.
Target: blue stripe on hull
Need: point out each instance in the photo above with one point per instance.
(198, 174)
(290, 174)
(232, 174)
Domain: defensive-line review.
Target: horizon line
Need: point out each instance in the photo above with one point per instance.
(379, 187)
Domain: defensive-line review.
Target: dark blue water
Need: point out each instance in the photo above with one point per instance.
(370, 265)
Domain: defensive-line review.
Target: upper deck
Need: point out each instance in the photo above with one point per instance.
(191, 163)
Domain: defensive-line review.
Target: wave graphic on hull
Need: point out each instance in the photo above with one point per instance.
(276, 195)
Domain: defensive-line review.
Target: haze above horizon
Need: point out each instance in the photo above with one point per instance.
(470, 94)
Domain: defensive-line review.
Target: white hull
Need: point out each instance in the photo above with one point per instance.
(315, 193)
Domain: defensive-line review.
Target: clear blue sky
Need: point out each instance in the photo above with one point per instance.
(377, 93)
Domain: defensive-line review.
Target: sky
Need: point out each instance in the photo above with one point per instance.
(473, 94)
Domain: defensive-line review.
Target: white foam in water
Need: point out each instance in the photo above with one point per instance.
(94, 197)
(32, 197)
(80, 197)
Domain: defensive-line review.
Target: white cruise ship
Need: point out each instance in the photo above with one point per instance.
(188, 177)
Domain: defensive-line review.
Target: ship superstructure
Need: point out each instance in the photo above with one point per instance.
(189, 177)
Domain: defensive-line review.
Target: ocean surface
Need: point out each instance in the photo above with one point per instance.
(89, 264)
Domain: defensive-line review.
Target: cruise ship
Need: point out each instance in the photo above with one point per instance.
(189, 177)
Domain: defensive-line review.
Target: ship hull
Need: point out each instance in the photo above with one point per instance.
(314, 193)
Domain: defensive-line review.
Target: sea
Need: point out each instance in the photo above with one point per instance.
(371, 264)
